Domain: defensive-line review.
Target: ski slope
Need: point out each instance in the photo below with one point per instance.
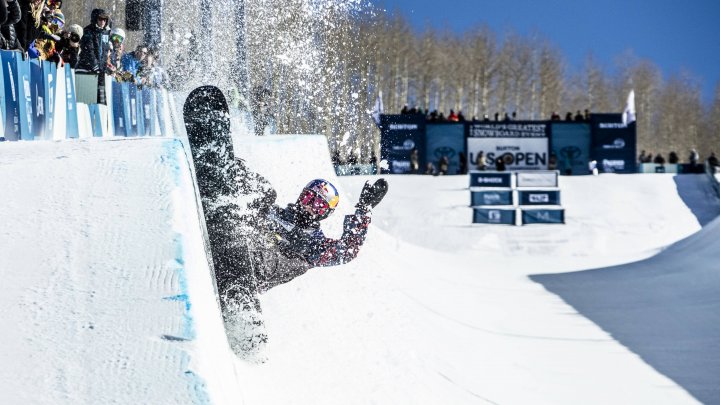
(106, 293)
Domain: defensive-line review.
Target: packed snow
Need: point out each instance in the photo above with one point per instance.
(107, 295)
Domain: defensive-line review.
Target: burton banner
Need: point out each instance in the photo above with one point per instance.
(614, 144)
(522, 144)
(400, 135)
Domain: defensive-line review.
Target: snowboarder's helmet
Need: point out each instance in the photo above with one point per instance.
(321, 197)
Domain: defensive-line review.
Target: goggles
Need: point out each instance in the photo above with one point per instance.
(316, 203)
(57, 22)
(117, 38)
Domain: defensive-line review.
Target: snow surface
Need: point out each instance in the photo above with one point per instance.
(106, 293)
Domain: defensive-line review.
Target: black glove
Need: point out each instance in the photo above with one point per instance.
(371, 195)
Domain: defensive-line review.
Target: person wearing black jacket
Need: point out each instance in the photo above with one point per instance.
(95, 43)
(9, 40)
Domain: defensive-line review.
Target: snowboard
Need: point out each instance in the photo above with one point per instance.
(228, 210)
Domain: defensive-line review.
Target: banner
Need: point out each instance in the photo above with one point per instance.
(517, 153)
(537, 179)
(494, 216)
(121, 109)
(18, 101)
(542, 216)
(614, 144)
(490, 179)
(445, 140)
(493, 197)
(49, 72)
(522, 144)
(570, 147)
(401, 134)
(133, 100)
(539, 197)
(3, 109)
(39, 97)
(149, 113)
(71, 119)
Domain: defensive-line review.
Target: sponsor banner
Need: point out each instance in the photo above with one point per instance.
(121, 109)
(71, 117)
(539, 197)
(537, 179)
(400, 135)
(505, 129)
(38, 95)
(542, 216)
(490, 179)
(18, 99)
(614, 144)
(494, 197)
(570, 145)
(49, 73)
(517, 153)
(445, 140)
(494, 216)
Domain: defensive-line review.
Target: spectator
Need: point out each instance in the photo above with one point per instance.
(481, 161)
(673, 158)
(95, 43)
(117, 49)
(642, 157)
(452, 117)
(694, 157)
(659, 159)
(433, 116)
(555, 116)
(579, 117)
(552, 162)
(649, 158)
(9, 39)
(132, 63)
(568, 116)
(44, 46)
(441, 118)
(500, 163)
(497, 116)
(151, 73)
(443, 165)
(430, 169)
(405, 110)
(514, 116)
(506, 118)
(587, 115)
(414, 161)
(68, 48)
(460, 116)
(712, 161)
(486, 118)
(463, 163)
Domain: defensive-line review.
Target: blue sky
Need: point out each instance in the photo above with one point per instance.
(675, 35)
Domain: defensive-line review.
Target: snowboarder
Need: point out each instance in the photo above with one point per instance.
(287, 242)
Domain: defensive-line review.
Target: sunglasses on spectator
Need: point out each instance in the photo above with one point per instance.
(316, 203)
(117, 38)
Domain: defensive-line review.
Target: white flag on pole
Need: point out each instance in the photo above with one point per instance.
(377, 109)
(629, 113)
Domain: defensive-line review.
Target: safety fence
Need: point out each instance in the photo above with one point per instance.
(41, 100)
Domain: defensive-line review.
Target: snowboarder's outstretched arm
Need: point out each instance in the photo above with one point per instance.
(340, 251)
(333, 252)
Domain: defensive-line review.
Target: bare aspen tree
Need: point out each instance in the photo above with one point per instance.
(481, 48)
(550, 76)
